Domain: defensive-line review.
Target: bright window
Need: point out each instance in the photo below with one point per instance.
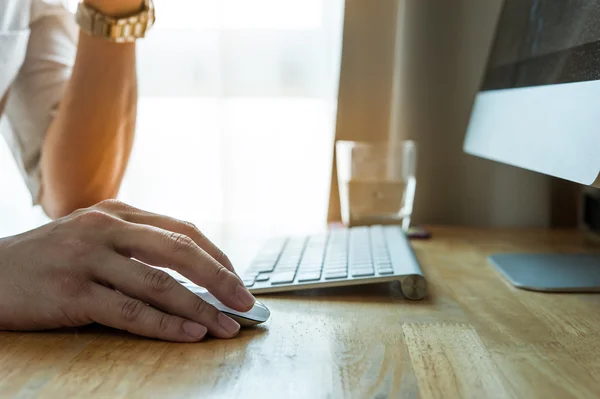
(236, 114)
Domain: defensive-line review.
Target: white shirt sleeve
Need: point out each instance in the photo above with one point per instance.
(36, 92)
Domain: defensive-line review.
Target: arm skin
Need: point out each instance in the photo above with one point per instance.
(88, 144)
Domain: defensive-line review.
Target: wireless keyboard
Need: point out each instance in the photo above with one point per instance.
(344, 256)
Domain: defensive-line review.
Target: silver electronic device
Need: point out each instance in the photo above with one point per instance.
(257, 315)
(339, 257)
(539, 109)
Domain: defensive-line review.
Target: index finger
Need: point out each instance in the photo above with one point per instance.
(158, 247)
(139, 216)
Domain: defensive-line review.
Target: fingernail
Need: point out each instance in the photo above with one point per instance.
(194, 330)
(228, 324)
(245, 297)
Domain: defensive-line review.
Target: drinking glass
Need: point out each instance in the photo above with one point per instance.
(376, 182)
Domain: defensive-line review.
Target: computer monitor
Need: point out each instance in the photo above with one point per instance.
(539, 109)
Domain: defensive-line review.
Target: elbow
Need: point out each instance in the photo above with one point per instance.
(78, 183)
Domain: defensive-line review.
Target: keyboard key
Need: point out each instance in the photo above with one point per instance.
(335, 264)
(363, 273)
(385, 271)
(262, 263)
(307, 277)
(356, 261)
(383, 263)
(250, 275)
(336, 275)
(283, 278)
(362, 267)
(361, 264)
(369, 267)
(310, 267)
(287, 267)
(307, 271)
(311, 264)
(312, 259)
(263, 277)
(335, 269)
(262, 266)
(288, 262)
(248, 282)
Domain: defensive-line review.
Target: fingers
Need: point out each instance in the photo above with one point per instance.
(113, 309)
(162, 248)
(163, 292)
(134, 215)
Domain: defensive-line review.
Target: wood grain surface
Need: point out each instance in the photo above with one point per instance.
(473, 337)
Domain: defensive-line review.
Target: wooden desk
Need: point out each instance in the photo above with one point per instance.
(475, 337)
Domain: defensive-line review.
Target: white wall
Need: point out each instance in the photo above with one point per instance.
(443, 55)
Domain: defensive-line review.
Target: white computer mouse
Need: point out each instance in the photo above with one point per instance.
(257, 315)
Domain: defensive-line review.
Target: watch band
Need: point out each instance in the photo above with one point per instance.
(119, 30)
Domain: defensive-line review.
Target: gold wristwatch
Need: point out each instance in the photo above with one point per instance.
(119, 30)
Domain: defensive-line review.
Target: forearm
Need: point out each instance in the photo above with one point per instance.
(87, 146)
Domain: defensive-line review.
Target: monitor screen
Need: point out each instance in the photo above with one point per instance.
(539, 103)
(541, 42)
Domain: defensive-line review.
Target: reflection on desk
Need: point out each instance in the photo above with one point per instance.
(475, 336)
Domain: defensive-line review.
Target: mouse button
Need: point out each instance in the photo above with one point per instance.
(261, 305)
(260, 310)
(212, 301)
(208, 298)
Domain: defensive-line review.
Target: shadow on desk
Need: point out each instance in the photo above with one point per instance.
(379, 292)
(91, 332)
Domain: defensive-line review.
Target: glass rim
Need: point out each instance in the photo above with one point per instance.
(379, 143)
(402, 145)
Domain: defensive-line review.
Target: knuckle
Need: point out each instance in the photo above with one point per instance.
(201, 307)
(192, 230)
(132, 309)
(191, 227)
(117, 207)
(94, 217)
(78, 212)
(180, 242)
(111, 204)
(164, 324)
(222, 258)
(158, 281)
(221, 275)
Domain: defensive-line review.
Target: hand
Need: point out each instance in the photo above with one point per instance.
(87, 267)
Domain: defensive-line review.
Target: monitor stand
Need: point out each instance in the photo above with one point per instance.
(550, 272)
